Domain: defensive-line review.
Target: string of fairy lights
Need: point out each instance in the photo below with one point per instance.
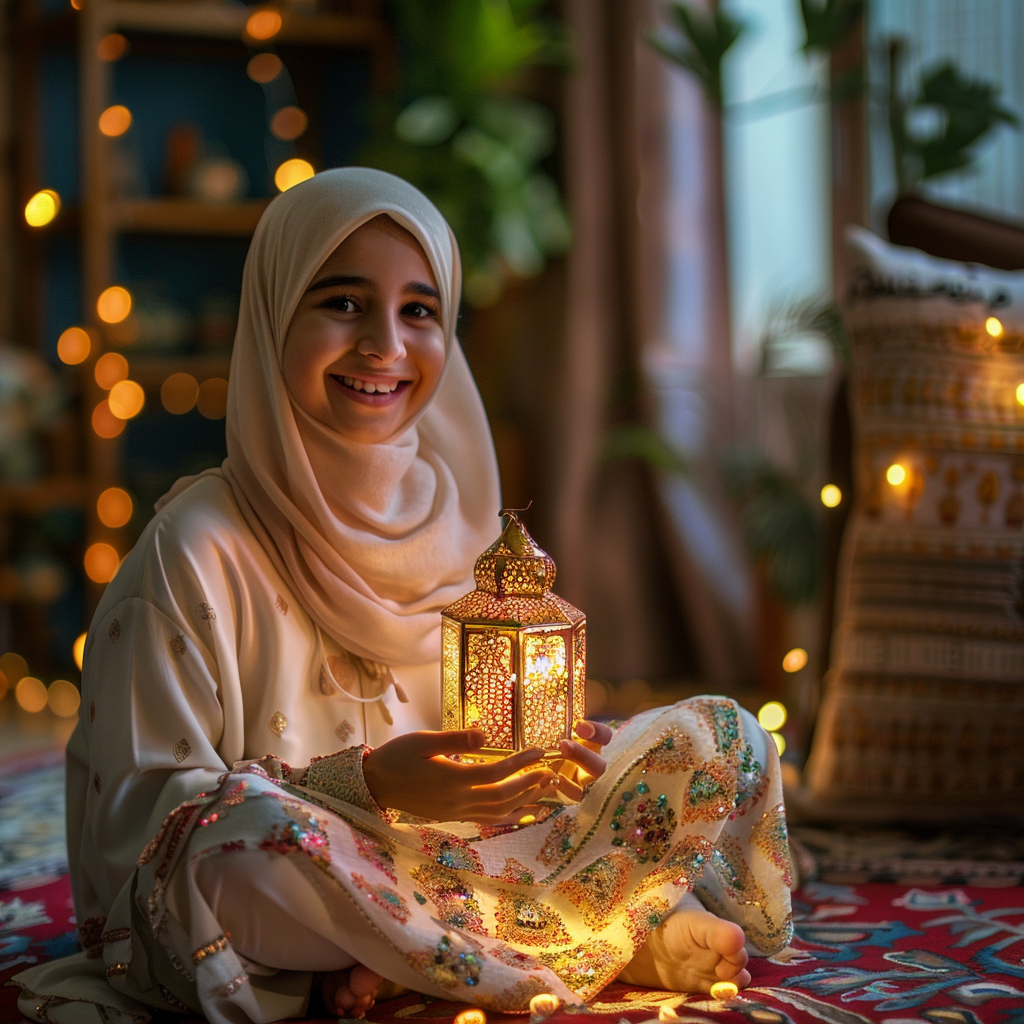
(180, 392)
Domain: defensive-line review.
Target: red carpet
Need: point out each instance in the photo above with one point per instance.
(886, 953)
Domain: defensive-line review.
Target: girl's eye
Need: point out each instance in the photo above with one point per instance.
(419, 311)
(341, 304)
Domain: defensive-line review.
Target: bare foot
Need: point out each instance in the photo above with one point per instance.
(690, 952)
(351, 992)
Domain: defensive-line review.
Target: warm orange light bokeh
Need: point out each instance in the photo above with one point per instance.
(288, 123)
(291, 172)
(213, 398)
(14, 666)
(104, 422)
(63, 698)
(101, 561)
(74, 346)
(179, 393)
(264, 67)
(114, 507)
(42, 208)
(114, 304)
(30, 693)
(78, 649)
(112, 46)
(126, 399)
(115, 120)
(111, 368)
(794, 660)
(264, 24)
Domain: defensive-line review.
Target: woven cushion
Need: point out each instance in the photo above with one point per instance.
(923, 713)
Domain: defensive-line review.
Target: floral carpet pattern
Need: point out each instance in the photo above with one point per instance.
(876, 952)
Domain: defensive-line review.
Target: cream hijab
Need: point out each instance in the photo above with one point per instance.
(373, 539)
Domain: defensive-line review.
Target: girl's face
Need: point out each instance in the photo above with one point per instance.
(365, 348)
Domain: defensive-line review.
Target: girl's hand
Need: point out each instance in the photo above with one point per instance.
(413, 773)
(584, 753)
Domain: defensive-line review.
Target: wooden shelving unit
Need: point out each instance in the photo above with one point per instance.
(101, 217)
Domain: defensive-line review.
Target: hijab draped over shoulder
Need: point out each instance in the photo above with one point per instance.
(373, 539)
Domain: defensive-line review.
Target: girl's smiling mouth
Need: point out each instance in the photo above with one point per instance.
(371, 392)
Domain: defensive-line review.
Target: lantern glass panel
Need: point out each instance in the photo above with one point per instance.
(489, 687)
(545, 689)
(451, 656)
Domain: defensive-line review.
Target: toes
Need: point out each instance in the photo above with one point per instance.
(730, 965)
(727, 940)
(364, 982)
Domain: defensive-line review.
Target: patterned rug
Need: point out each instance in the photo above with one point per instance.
(871, 952)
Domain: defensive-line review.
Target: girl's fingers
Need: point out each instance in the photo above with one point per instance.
(569, 788)
(517, 803)
(589, 760)
(596, 732)
(433, 744)
(483, 774)
(513, 788)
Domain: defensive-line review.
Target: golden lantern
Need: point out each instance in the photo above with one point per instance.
(513, 654)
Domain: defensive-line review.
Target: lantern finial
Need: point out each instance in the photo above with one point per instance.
(515, 563)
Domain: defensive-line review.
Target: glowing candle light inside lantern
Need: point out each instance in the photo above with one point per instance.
(264, 67)
(114, 507)
(101, 561)
(115, 121)
(63, 698)
(42, 208)
(111, 368)
(772, 716)
(104, 422)
(831, 496)
(291, 172)
(126, 399)
(114, 304)
(30, 693)
(896, 474)
(78, 650)
(264, 24)
(73, 346)
(543, 1004)
(994, 326)
(179, 393)
(794, 660)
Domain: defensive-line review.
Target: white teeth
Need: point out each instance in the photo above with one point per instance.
(368, 387)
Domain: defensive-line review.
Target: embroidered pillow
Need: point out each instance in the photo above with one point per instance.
(923, 713)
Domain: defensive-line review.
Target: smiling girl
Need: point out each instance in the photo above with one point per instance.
(261, 810)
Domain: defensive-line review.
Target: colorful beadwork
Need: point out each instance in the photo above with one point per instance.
(454, 961)
(218, 945)
(449, 851)
(585, 968)
(643, 916)
(710, 793)
(558, 844)
(384, 896)
(673, 753)
(722, 718)
(454, 900)
(278, 723)
(528, 922)
(517, 873)
(305, 835)
(771, 836)
(597, 889)
(643, 823)
(380, 852)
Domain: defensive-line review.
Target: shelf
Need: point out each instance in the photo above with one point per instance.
(224, 21)
(187, 216)
(152, 370)
(42, 495)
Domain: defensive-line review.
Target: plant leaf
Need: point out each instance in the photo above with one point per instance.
(827, 24)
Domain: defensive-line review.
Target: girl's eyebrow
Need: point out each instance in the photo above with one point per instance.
(340, 281)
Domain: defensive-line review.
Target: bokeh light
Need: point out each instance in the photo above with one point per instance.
(76, 4)
(212, 401)
(74, 346)
(725, 990)
(78, 649)
(104, 422)
(772, 715)
(288, 123)
(264, 67)
(264, 24)
(114, 507)
(14, 666)
(895, 474)
(114, 304)
(4, 686)
(794, 660)
(473, 1016)
(1020, 394)
(543, 1004)
(179, 393)
(665, 1012)
(101, 561)
(126, 399)
(115, 121)
(30, 693)
(43, 207)
(291, 172)
(831, 496)
(63, 698)
(994, 326)
(111, 368)
(112, 46)
(780, 742)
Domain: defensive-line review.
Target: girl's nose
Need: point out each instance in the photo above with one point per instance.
(382, 340)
